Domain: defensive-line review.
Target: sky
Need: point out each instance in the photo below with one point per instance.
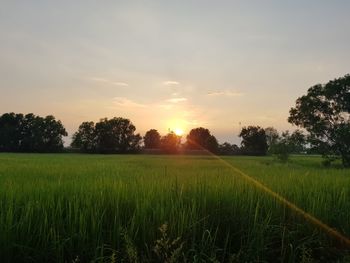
(166, 64)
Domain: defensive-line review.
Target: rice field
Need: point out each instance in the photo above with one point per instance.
(144, 208)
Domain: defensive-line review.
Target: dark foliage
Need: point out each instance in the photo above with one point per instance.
(228, 149)
(170, 143)
(287, 144)
(272, 136)
(30, 133)
(152, 139)
(115, 135)
(253, 141)
(85, 137)
(200, 138)
(325, 113)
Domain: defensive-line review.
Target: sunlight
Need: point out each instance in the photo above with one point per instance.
(178, 131)
(177, 126)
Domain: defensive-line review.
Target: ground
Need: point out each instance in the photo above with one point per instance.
(144, 208)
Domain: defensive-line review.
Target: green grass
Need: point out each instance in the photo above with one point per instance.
(71, 207)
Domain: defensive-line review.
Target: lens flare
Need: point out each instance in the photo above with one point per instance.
(342, 239)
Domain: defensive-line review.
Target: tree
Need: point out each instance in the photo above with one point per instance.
(170, 143)
(272, 136)
(200, 138)
(211, 144)
(51, 133)
(116, 135)
(10, 132)
(85, 137)
(325, 113)
(287, 144)
(152, 139)
(253, 140)
(296, 141)
(228, 149)
(30, 133)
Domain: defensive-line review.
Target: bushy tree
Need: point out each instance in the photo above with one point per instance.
(152, 139)
(253, 140)
(212, 144)
(30, 133)
(296, 141)
(116, 135)
(85, 137)
(325, 113)
(11, 132)
(170, 143)
(51, 134)
(287, 144)
(272, 136)
(200, 138)
(228, 149)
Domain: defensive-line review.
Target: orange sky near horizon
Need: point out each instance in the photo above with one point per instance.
(169, 65)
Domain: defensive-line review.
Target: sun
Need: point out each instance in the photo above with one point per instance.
(177, 126)
(178, 131)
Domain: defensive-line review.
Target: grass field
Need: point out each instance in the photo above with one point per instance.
(137, 208)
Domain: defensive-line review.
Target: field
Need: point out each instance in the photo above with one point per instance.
(137, 208)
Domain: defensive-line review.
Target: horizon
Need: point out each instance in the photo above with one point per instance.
(168, 65)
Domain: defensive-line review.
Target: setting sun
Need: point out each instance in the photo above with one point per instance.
(178, 132)
(177, 126)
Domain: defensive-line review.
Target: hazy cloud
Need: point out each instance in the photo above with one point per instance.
(171, 83)
(176, 100)
(227, 93)
(125, 102)
(121, 84)
(99, 79)
(166, 106)
(107, 81)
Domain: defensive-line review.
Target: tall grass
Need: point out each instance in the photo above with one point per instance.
(70, 208)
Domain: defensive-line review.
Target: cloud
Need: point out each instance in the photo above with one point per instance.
(165, 106)
(266, 118)
(227, 93)
(125, 102)
(103, 80)
(171, 83)
(99, 79)
(176, 100)
(121, 84)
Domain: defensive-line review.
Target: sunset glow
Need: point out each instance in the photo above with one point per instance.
(178, 126)
(178, 131)
(113, 63)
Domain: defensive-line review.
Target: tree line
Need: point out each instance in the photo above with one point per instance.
(30, 133)
(323, 114)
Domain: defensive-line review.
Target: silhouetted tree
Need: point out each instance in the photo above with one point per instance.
(200, 138)
(287, 144)
(30, 133)
(325, 113)
(212, 144)
(152, 139)
(296, 140)
(272, 136)
(170, 143)
(85, 137)
(253, 140)
(115, 135)
(51, 134)
(281, 150)
(228, 149)
(10, 132)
